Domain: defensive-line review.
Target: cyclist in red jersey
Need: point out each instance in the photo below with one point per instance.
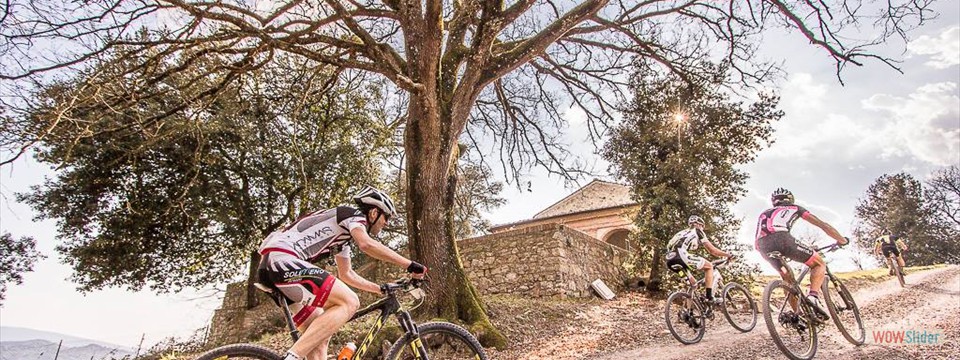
(773, 234)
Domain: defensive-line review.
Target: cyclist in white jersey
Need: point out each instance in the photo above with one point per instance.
(320, 304)
(678, 252)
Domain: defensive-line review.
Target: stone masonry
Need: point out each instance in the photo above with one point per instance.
(545, 260)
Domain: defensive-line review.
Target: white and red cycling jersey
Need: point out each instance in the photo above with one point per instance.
(315, 235)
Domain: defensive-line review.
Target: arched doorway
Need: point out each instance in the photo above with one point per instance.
(619, 237)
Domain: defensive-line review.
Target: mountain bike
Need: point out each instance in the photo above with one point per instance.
(792, 320)
(432, 340)
(895, 268)
(686, 311)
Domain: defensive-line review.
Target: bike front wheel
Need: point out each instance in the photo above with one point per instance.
(844, 311)
(440, 341)
(240, 352)
(739, 307)
(685, 318)
(793, 331)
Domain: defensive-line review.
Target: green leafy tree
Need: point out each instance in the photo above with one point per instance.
(896, 203)
(471, 70)
(184, 201)
(17, 256)
(679, 147)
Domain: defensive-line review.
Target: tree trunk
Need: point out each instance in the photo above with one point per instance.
(252, 299)
(430, 218)
(656, 270)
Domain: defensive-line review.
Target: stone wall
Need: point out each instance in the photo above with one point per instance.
(545, 260)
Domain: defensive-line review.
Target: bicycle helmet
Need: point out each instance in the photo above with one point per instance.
(781, 196)
(373, 197)
(694, 219)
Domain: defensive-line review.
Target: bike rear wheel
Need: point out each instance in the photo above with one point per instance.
(739, 307)
(442, 341)
(240, 352)
(897, 270)
(844, 311)
(684, 318)
(794, 334)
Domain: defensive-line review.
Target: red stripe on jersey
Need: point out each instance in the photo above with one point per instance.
(270, 250)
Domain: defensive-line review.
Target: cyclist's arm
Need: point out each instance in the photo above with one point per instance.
(345, 272)
(901, 244)
(829, 230)
(713, 250)
(377, 250)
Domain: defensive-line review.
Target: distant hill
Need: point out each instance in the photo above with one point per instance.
(22, 344)
(45, 350)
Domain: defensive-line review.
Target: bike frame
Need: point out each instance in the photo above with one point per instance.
(388, 306)
(693, 283)
(794, 282)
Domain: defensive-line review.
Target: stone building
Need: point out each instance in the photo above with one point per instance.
(561, 250)
(602, 210)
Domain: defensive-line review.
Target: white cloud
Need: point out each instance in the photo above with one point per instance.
(945, 49)
(924, 124)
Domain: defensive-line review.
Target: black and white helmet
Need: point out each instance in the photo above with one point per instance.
(694, 219)
(371, 196)
(781, 196)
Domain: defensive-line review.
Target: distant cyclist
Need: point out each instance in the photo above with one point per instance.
(690, 239)
(891, 244)
(773, 234)
(320, 304)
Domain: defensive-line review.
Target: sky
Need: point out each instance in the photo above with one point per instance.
(833, 142)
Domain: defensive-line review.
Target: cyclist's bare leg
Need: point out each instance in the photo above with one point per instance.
(341, 305)
(708, 276)
(900, 261)
(818, 270)
(321, 352)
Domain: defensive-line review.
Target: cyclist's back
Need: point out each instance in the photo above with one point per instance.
(317, 234)
(890, 241)
(773, 233)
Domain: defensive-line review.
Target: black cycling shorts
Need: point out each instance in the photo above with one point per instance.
(887, 249)
(676, 264)
(304, 285)
(783, 242)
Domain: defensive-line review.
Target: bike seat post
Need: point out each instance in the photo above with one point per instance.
(294, 333)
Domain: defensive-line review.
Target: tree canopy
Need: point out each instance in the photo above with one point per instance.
(182, 201)
(679, 147)
(897, 204)
(17, 256)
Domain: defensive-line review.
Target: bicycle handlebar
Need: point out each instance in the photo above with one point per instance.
(829, 248)
(401, 285)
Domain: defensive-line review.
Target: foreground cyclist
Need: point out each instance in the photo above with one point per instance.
(891, 244)
(773, 234)
(320, 304)
(689, 239)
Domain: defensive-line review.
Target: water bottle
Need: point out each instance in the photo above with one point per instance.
(347, 352)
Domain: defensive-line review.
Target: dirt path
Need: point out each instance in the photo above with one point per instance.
(931, 301)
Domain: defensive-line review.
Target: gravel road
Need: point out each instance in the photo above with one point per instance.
(931, 301)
